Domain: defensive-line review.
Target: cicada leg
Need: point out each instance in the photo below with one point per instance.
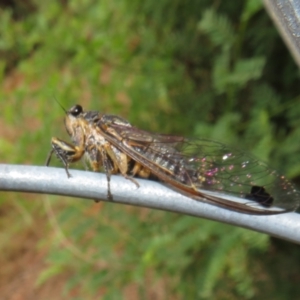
(98, 158)
(108, 168)
(112, 162)
(120, 163)
(66, 152)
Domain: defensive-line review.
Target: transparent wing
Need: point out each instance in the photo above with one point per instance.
(237, 173)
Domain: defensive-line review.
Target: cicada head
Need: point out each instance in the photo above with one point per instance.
(74, 123)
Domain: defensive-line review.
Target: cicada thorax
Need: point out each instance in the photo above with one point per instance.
(99, 149)
(102, 154)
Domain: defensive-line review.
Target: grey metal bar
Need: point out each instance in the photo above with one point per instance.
(286, 16)
(84, 184)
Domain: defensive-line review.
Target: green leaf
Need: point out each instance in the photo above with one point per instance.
(218, 28)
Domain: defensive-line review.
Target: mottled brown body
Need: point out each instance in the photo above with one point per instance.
(188, 166)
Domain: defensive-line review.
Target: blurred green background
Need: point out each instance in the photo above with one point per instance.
(213, 69)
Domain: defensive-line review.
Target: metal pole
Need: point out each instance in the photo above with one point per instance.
(89, 185)
(286, 16)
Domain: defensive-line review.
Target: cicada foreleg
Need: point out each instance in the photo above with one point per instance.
(66, 152)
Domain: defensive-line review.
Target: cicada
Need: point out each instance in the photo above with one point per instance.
(201, 169)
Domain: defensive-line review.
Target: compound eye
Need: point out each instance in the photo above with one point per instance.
(76, 110)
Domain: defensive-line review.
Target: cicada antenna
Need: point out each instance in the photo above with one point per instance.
(60, 105)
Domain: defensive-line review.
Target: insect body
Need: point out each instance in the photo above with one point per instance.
(195, 167)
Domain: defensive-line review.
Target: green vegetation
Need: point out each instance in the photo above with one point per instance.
(198, 68)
